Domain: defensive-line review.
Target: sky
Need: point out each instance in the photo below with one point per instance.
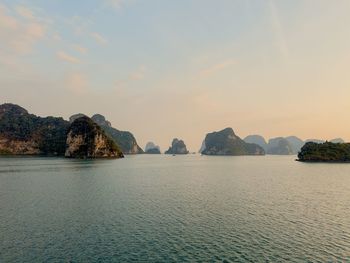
(166, 69)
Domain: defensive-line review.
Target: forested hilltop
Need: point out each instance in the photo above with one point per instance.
(325, 152)
(24, 133)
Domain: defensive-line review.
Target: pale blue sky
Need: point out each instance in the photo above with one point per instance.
(165, 69)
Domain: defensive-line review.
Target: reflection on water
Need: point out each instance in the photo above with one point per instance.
(151, 208)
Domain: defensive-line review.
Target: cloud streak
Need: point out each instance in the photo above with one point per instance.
(98, 38)
(217, 68)
(25, 12)
(278, 30)
(66, 57)
(116, 4)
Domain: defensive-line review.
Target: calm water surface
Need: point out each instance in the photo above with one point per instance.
(150, 208)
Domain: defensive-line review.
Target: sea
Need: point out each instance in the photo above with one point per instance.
(164, 208)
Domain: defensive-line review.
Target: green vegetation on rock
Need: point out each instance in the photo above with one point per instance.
(24, 133)
(86, 139)
(325, 152)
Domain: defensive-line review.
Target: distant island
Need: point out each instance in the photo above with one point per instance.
(290, 145)
(177, 147)
(325, 152)
(151, 148)
(226, 142)
(22, 133)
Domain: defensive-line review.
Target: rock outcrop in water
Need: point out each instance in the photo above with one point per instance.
(325, 152)
(86, 139)
(124, 139)
(226, 142)
(151, 148)
(27, 134)
(177, 147)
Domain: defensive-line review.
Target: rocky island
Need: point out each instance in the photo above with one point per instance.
(226, 142)
(125, 140)
(86, 139)
(151, 148)
(177, 147)
(325, 152)
(22, 133)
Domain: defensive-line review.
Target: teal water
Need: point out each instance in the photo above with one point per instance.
(150, 208)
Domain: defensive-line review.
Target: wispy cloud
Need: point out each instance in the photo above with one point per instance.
(66, 57)
(99, 39)
(278, 30)
(216, 68)
(82, 50)
(25, 12)
(18, 37)
(116, 4)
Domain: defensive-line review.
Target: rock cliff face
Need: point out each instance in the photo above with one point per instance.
(177, 147)
(151, 148)
(86, 139)
(27, 134)
(279, 146)
(225, 142)
(124, 139)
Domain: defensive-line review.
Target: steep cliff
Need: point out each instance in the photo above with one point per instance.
(124, 139)
(86, 139)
